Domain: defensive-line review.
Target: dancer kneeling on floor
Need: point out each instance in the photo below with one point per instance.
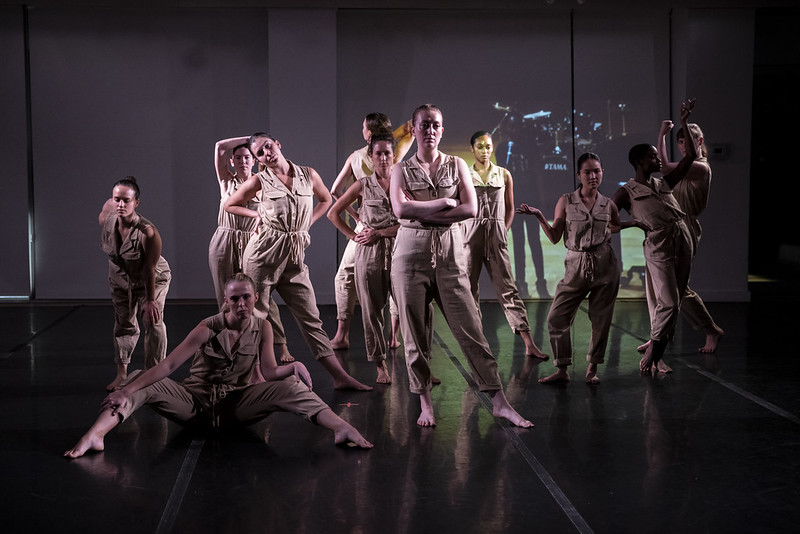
(226, 347)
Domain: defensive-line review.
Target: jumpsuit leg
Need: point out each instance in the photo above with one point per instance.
(295, 288)
(224, 260)
(602, 298)
(373, 286)
(498, 266)
(570, 292)
(695, 311)
(167, 398)
(126, 325)
(155, 335)
(260, 400)
(460, 311)
(344, 283)
(412, 286)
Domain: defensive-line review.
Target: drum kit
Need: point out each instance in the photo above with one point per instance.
(542, 140)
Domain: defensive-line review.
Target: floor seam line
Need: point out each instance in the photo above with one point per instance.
(175, 500)
(544, 476)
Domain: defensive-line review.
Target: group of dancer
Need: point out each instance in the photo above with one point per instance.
(425, 227)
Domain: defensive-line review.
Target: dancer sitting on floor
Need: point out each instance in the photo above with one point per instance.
(226, 347)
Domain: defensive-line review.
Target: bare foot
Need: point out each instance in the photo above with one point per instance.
(426, 417)
(342, 338)
(435, 381)
(663, 367)
(643, 347)
(348, 382)
(501, 408)
(88, 442)
(645, 364)
(591, 375)
(561, 376)
(712, 340)
(394, 343)
(383, 373)
(537, 354)
(116, 383)
(285, 356)
(349, 436)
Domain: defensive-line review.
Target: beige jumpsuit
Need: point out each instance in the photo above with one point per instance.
(125, 262)
(373, 266)
(590, 268)
(667, 251)
(693, 199)
(344, 281)
(486, 244)
(226, 253)
(428, 263)
(218, 389)
(274, 258)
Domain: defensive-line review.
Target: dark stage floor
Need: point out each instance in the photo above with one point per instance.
(714, 447)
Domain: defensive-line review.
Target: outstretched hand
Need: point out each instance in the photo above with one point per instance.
(528, 210)
(666, 127)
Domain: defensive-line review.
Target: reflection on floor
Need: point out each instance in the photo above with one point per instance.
(714, 447)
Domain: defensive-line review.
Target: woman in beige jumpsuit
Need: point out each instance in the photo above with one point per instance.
(227, 348)
(226, 249)
(275, 256)
(585, 219)
(138, 275)
(430, 193)
(667, 246)
(358, 165)
(485, 238)
(373, 245)
(692, 195)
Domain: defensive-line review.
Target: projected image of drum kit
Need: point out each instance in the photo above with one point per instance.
(542, 141)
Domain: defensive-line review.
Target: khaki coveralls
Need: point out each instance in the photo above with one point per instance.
(373, 265)
(218, 389)
(667, 251)
(429, 264)
(486, 244)
(125, 262)
(226, 253)
(274, 258)
(590, 268)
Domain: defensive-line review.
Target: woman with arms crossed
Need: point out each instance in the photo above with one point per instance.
(429, 193)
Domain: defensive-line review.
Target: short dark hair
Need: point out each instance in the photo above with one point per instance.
(130, 181)
(478, 134)
(639, 151)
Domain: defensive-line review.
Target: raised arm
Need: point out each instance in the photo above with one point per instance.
(222, 150)
(661, 146)
(555, 231)
(680, 171)
(403, 139)
(342, 203)
(236, 202)
(322, 195)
